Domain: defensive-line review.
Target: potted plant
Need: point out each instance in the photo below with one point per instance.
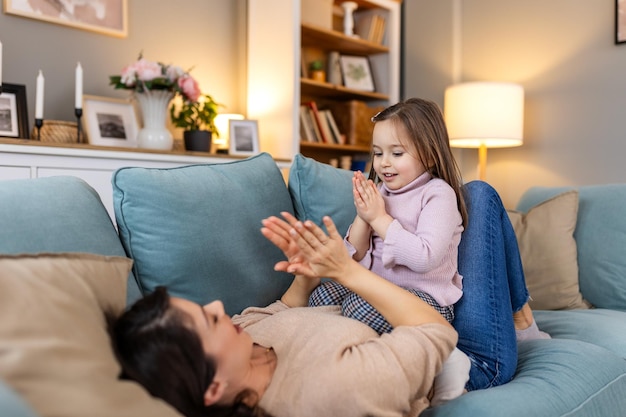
(317, 70)
(197, 118)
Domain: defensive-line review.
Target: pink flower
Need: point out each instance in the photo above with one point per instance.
(147, 70)
(174, 72)
(129, 75)
(189, 87)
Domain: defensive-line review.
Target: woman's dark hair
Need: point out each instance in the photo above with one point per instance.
(427, 130)
(158, 350)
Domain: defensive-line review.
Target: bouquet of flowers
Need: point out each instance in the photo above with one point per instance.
(144, 75)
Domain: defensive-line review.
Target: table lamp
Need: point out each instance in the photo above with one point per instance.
(222, 122)
(484, 115)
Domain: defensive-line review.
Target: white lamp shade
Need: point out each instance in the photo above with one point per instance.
(484, 113)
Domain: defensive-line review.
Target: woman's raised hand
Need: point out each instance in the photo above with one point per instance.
(309, 250)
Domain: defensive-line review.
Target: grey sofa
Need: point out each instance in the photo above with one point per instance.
(196, 230)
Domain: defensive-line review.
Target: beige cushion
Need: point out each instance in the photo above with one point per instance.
(54, 347)
(546, 241)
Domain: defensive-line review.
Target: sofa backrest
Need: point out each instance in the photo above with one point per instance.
(600, 239)
(57, 214)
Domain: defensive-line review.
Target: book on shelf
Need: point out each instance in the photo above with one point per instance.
(319, 122)
(308, 128)
(370, 26)
(326, 127)
(332, 124)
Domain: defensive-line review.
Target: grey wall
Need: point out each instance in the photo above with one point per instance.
(208, 35)
(563, 53)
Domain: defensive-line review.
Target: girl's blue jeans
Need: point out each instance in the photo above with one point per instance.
(493, 288)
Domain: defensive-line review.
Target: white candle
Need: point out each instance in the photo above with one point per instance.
(79, 87)
(39, 97)
(0, 64)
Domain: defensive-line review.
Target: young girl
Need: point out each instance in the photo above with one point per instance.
(408, 228)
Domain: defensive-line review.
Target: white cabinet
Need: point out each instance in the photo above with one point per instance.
(95, 166)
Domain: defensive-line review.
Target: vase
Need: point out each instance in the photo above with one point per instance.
(154, 134)
(197, 140)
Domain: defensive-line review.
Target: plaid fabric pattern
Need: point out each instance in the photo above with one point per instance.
(353, 306)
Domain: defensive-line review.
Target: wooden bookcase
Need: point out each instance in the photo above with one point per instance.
(280, 46)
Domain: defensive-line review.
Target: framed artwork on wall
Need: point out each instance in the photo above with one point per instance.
(109, 17)
(620, 21)
(13, 112)
(356, 72)
(110, 122)
(244, 137)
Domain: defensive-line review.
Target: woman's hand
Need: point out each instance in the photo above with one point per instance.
(369, 204)
(323, 255)
(277, 231)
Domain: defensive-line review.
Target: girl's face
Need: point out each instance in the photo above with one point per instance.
(227, 343)
(393, 162)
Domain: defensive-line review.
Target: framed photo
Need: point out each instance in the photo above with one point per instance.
(109, 17)
(244, 137)
(110, 121)
(13, 112)
(620, 21)
(356, 72)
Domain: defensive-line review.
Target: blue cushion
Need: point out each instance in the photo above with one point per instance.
(600, 237)
(57, 214)
(12, 404)
(191, 229)
(606, 328)
(555, 378)
(319, 190)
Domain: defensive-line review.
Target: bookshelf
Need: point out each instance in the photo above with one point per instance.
(279, 40)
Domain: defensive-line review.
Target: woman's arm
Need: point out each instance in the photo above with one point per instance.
(322, 255)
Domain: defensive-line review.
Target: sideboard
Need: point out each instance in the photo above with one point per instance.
(33, 159)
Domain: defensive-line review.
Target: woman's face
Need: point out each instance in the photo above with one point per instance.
(227, 343)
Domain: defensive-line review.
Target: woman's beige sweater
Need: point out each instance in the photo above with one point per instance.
(330, 365)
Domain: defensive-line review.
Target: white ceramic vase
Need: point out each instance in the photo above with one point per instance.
(348, 18)
(154, 134)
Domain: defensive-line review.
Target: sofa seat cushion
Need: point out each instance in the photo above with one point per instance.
(196, 229)
(606, 328)
(555, 378)
(600, 238)
(55, 350)
(57, 214)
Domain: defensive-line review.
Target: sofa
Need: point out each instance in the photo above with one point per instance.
(65, 266)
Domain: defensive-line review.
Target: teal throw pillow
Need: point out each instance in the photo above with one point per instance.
(196, 229)
(319, 189)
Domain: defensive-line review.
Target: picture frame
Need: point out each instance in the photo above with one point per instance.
(110, 121)
(620, 21)
(13, 112)
(357, 73)
(109, 17)
(244, 137)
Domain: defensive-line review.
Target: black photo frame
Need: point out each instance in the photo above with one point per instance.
(13, 112)
(620, 21)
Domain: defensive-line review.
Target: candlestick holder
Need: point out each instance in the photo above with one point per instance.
(38, 125)
(79, 113)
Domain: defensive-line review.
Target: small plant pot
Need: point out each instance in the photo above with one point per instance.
(318, 75)
(197, 140)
